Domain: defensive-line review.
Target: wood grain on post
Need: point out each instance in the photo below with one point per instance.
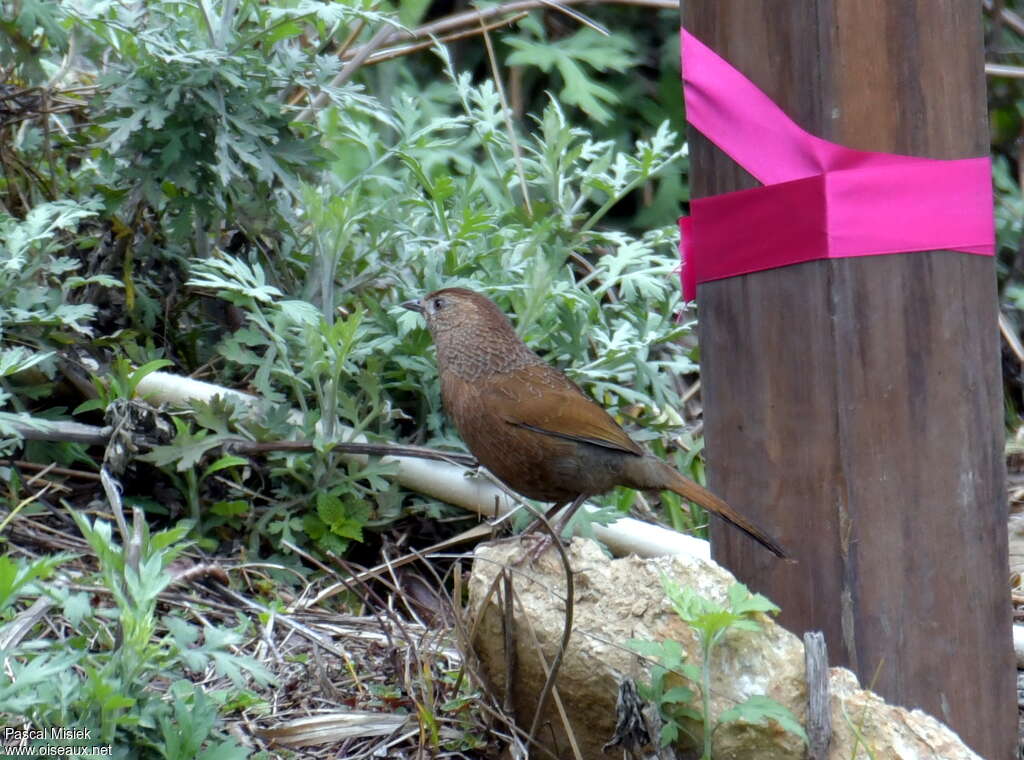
(854, 407)
(819, 703)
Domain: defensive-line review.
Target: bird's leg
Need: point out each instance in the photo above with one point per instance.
(563, 522)
(535, 535)
(543, 541)
(549, 516)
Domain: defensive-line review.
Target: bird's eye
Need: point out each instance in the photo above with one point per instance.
(438, 303)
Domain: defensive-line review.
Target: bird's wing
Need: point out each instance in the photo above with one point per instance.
(542, 399)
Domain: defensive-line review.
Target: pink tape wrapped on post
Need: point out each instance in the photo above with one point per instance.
(820, 200)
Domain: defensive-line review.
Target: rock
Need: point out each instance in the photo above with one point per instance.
(621, 599)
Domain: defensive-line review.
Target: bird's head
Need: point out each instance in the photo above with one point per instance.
(456, 309)
(472, 335)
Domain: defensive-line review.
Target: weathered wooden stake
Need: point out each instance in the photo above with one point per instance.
(854, 406)
(819, 707)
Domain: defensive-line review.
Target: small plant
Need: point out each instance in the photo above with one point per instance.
(110, 676)
(712, 622)
(41, 305)
(574, 58)
(44, 304)
(37, 282)
(119, 383)
(181, 459)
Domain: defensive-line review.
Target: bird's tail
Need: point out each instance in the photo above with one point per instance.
(674, 481)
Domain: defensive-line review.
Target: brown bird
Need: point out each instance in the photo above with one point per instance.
(532, 426)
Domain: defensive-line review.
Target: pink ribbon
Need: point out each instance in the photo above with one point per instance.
(820, 200)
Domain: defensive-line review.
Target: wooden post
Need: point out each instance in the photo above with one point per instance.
(854, 406)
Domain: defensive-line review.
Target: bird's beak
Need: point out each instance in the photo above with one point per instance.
(412, 306)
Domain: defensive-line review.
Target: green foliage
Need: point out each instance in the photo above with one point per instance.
(185, 735)
(18, 578)
(33, 32)
(195, 125)
(37, 284)
(107, 681)
(43, 302)
(672, 697)
(1009, 207)
(183, 460)
(186, 215)
(190, 136)
(172, 206)
(309, 233)
(421, 224)
(13, 361)
(712, 622)
(337, 522)
(576, 58)
(121, 383)
(1005, 111)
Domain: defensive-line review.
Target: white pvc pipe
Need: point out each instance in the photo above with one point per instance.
(447, 482)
